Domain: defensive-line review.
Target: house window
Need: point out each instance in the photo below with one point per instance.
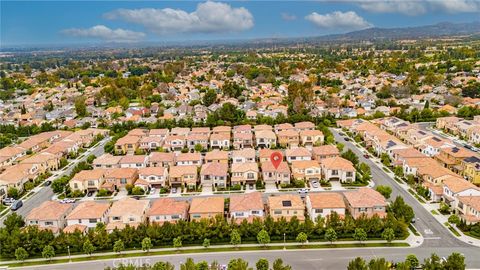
(123, 181)
(92, 220)
(318, 211)
(239, 214)
(48, 223)
(277, 212)
(196, 216)
(250, 175)
(349, 174)
(91, 183)
(255, 212)
(115, 218)
(175, 217)
(131, 219)
(335, 172)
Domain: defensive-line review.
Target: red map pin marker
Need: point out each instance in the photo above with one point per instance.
(276, 158)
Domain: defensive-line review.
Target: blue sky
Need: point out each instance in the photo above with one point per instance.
(71, 22)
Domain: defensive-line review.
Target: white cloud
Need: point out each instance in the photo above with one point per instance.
(209, 17)
(288, 17)
(338, 20)
(417, 7)
(105, 33)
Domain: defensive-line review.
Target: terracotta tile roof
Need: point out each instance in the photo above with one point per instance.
(458, 184)
(107, 159)
(267, 166)
(162, 157)
(220, 136)
(325, 150)
(244, 167)
(242, 128)
(121, 173)
(128, 159)
(283, 126)
(128, 140)
(310, 132)
(86, 175)
(39, 158)
(262, 127)
(74, 227)
(338, 163)
(245, 152)
(167, 206)
(89, 209)
(11, 151)
(179, 171)
(214, 168)
(408, 152)
(222, 129)
(298, 152)
(288, 133)
(207, 205)
(128, 207)
(246, 202)
(277, 202)
(365, 197)
(268, 134)
(189, 157)
(304, 164)
(159, 171)
(472, 201)
(266, 153)
(306, 124)
(49, 210)
(216, 155)
(179, 131)
(158, 132)
(325, 200)
(458, 152)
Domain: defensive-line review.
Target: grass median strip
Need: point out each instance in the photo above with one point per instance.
(207, 250)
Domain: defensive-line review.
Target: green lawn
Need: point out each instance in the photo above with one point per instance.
(452, 229)
(434, 212)
(205, 250)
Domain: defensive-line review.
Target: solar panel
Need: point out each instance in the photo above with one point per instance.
(455, 149)
(287, 203)
(436, 139)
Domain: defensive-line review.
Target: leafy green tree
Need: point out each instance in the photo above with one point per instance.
(388, 235)
(124, 102)
(235, 238)
(278, 265)
(177, 242)
(147, 244)
(331, 235)
(206, 243)
(231, 89)
(118, 246)
(263, 237)
(13, 193)
(454, 219)
(360, 235)
(379, 263)
(21, 254)
(238, 264)
(88, 248)
(188, 265)
(13, 221)
(262, 264)
(351, 156)
(432, 263)
(302, 238)
(386, 191)
(48, 252)
(455, 261)
(210, 97)
(80, 106)
(163, 266)
(412, 261)
(203, 265)
(401, 210)
(357, 264)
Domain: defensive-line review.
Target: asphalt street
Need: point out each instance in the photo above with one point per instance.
(434, 233)
(327, 259)
(46, 193)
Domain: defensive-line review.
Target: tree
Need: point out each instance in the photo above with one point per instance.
(357, 264)
(21, 254)
(146, 244)
(48, 252)
(13, 221)
(432, 263)
(455, 261)
(388, 234)
(302, 238)
(163, 266)
(278, 265)
(350, 155)
(379, 263)
(80, 106)
(124, 102)
(330, 235)
(177, 242)
(206, 243)
(188, 265)
(88, 248)
(203, 265)
(231, 89)
(262, 264)
(263, 237)
(210, 97)
(386, 191)
(454, 219)
(401, 210)
(118, 246)
(198, 147)
(360, 235)
(12, 192)
(235, 238)
(237, 264)
(412, 261)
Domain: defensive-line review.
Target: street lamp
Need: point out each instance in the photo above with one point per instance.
(69, 258)
(284, 247)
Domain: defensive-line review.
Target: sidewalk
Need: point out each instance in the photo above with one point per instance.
(440, 218)
(412, 240)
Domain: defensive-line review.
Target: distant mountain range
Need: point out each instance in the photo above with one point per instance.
(417, 32)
